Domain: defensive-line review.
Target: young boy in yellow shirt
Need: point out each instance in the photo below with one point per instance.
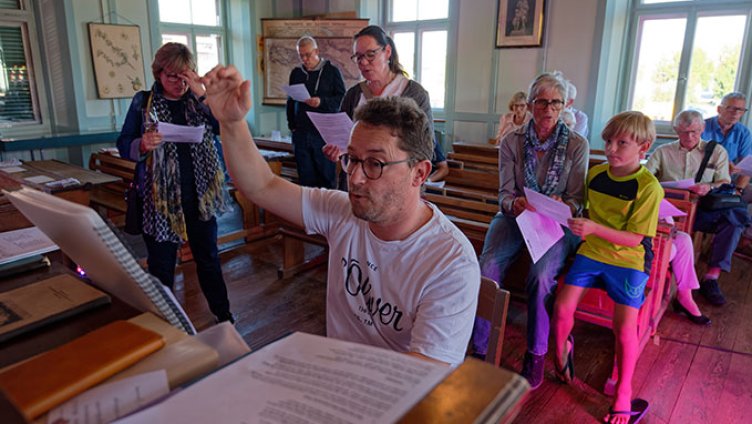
(623, 198)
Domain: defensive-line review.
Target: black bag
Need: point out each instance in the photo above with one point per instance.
(719, 198)
(134, 211)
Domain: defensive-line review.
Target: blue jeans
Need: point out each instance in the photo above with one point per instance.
(314, 169)
(202, 237)
(728, 226)
(501, 247)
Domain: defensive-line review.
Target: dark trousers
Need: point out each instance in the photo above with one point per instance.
(202, 237)
(314, 169)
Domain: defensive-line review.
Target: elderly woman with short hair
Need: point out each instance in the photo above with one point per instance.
(517, 117)
(546, 157)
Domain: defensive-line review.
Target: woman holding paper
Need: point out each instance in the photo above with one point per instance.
(376, 56)
(181, 184)
(546, 157)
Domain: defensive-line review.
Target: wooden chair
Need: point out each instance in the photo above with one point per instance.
(493, 303)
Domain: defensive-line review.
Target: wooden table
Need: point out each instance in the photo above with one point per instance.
(11, 219)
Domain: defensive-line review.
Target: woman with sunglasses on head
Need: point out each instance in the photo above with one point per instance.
(546, 157)
(376, 56)
(181, 184)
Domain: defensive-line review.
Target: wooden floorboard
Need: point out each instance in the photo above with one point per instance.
(688, 373)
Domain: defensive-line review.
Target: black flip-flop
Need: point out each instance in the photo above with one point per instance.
(566, 374)
(639, 408)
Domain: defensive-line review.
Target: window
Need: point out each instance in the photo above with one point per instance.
(419, 30)
(197, 24)
(18, 99)
(687, 55)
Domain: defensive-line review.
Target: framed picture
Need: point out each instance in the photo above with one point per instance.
(118, 63)
(280, 56)
(520, 23)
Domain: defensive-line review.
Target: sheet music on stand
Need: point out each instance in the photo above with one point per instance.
(87, 240)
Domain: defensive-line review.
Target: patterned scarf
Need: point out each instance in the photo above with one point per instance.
(164, 218)
(558, 139)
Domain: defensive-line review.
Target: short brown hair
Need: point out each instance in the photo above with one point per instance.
(405, 120)
(634, 123)
(174, 56)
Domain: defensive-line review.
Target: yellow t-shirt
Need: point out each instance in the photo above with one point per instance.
(628, 203)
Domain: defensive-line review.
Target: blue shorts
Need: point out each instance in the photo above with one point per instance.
(625, 286)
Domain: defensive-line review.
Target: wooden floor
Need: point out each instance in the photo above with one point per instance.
(689, 374)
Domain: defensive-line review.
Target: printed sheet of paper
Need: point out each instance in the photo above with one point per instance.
(744, 166)
(333, 127)
(558, 211)
(667, 208)
(23, 243)
(108, 402)
(680, 184)
(180, 133)
(39, 179)
(304, 379)
(298, 92)
(539, 232)
(12, 169)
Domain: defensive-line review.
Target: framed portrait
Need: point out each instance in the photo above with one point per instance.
(116, 55)
(520, 23)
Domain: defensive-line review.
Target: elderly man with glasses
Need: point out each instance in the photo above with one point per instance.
(401, 276)
(731, 134)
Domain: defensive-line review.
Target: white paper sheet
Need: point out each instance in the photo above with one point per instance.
(539, 232)
(12, 169)
(558, 211)
(680, 184)
(667, 208)
(298, 92)
(39, 179)
(108, 402)
(333, 127)
(303, 379)
(24, 243)
(744, 166)
(180, 133)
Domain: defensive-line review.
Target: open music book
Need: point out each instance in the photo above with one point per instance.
(88, 241)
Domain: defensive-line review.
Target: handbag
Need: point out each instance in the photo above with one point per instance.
(722, 197)
(134, 211)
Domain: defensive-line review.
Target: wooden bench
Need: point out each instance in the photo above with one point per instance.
(109, 199)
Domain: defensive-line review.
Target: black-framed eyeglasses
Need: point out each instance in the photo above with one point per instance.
(369, 55)
(172, 77)
(736, 109)
(372, 168)
(555, 104)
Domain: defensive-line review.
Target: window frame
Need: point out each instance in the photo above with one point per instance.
(418, 28)
(691, 10)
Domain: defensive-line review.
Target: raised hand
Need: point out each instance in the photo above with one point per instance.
(194, 82)
(227, 94)
(331, 152)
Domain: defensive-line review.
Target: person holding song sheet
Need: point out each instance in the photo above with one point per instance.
(546, 157)
(181, 184)
(325, 85)
(382, 288)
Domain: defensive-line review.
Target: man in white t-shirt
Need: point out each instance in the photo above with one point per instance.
(401, 276)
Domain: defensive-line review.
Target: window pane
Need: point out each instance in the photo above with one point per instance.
(660, 1)
(658, 67)
(175, 38)
(404, 10)
(207, 52)
(433, 9)
(205, 12)
(15, 88)
(405, 42)
(715, 60)
(433, 65)
(10, 4)
(178, 11)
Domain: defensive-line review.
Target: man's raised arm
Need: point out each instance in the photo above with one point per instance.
(228, 97)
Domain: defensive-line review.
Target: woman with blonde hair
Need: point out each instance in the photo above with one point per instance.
(517, 118)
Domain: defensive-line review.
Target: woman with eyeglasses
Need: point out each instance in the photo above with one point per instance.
(376, 56)
(546, 157)
(180, 182)
(517, 117)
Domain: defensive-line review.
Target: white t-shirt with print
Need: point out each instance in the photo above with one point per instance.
(419, 294)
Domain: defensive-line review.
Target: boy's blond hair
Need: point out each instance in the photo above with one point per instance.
(634, 123)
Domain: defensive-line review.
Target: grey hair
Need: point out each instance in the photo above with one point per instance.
(571, 90)
(688, 117)
(547, 80)
(307, 40)
(734, 95)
